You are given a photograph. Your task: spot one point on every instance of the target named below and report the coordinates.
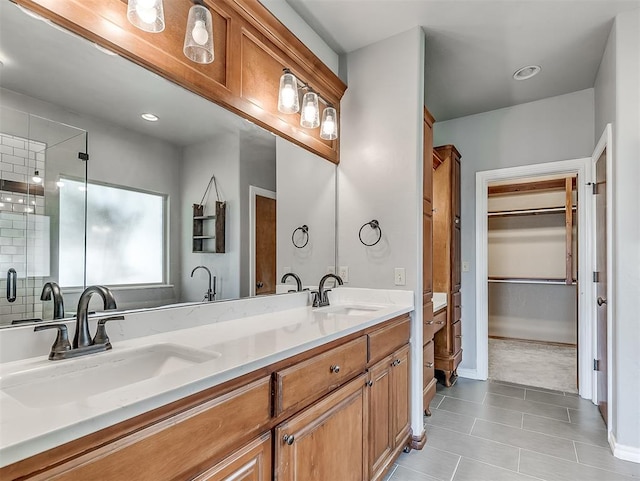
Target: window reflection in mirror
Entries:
(173, 157)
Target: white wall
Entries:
(219, 156)
(380, 174)
(617, 93)
(305, 196)
(557, 128)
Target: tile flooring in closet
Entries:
(497, 431)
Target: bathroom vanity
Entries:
(285, 392)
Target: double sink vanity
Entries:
(261, 388)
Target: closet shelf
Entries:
(522, 212)
(530, 280)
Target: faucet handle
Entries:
(61, 343)
(316, 298)
(101, 331)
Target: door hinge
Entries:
(596, 365)
(83, 156)
(596, 276)
(594, 188)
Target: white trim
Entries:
(582, 167)
(605, 144)
(622, 451)
(253, 192)
(469, 374)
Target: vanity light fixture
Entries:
(150, 117)
(198, 39)
(36, 177)
(527, 72)
(288, 103)
(147, 15)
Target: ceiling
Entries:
(61, 68)
(474, 46)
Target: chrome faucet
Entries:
(297, 279)
(82, 342)
(320, 298)
(53, 289)
(210, 295)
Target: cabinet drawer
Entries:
(383, 342)
(457, 337)
(307, 381)
(166, 450)
(428, 364)
(439, 320)
(457, 310)
(428, 327)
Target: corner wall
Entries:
(557, 128)
(380, 175)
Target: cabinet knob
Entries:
(601, 301)
(459, 336)
(457, 221)
(429, 365)
(335, 369)
(369, 383)
(288, 439)
(396, 362)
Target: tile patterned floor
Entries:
(498, 431)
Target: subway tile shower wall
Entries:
(24, 229)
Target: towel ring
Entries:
(374, 224)
(305, 232)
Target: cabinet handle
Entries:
(459, 336)
(440, 322)
(601, 301)
(288, 439)
(429, 323)
(396, 362)
(335, 369)
(429, 365)
(369, 383)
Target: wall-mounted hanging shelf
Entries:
(208, 230)
(523, 212)
(528, 280)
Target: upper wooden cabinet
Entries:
(251, 49)
(447, 266)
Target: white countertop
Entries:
(439, 301)
(244, 344)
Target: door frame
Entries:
(604, 144)
(586, 321)
(253, 192)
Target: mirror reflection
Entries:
(142, 203)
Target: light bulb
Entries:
(36, 177)
(329, 127)
(8, 199)
(146, 14)
(199, 33)
(288, 94)
(310, 117)
(20, 201)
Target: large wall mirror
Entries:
(125, 217)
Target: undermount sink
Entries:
(61, 382)
(352, 310)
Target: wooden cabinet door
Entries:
(400, 391)
(380, 437)
(326, 441)
(456, 187)
(427, 251)
(251, 463)
(455, 260)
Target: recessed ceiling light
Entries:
(527, 72)
(150, 117)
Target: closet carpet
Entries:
(533, 364)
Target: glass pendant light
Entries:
(147, 15)
(288, 102)
(198, 39)
(329, 127)
(310, 117)
(36, 177)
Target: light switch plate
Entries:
(465, 266)
(399, 276)
(343, 272)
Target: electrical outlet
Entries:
(331, 269)
(399, 276)
(465, 266)
(285, 270)
(343, 272)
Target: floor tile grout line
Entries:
(528, 400)
(390, 475)
(441, 400)
(522, 421)
(564, 438)
(519, 454)
(575, 450)
(506, 469)
(582, 425)
(473, 425)
(481, 419)
(455, 470)
(569, 415)
(529, 388)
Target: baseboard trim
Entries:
(469, 374)
(621, 451)
(418, 442)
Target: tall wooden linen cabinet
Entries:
(446, 258)
(428, 381)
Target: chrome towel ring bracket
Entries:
(375, 225)
(304, 229)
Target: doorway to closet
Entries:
(532, 243)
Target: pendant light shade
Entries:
(310, 116)
(288, 102)
(329, 127)
(147, 15)
(198, 39)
